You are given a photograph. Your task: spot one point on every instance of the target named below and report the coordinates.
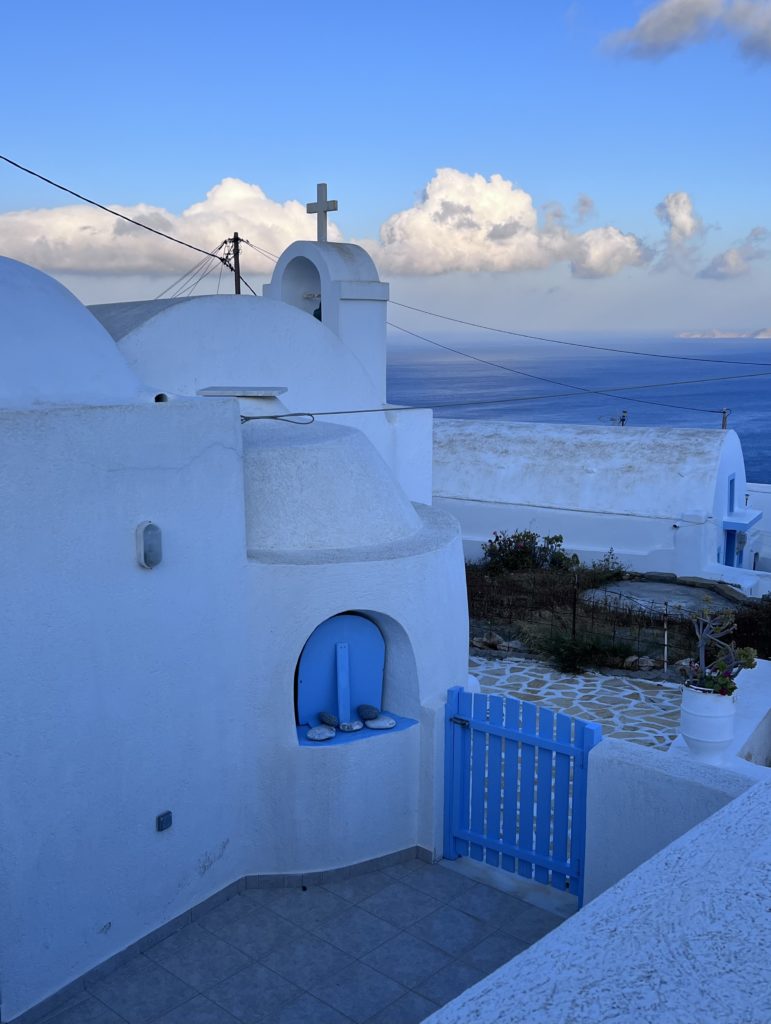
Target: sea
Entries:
(642, 390)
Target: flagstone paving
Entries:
(386, 947)
(637, 710)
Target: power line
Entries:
(578, 344)
(106, 209)
(607, 393)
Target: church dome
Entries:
(318, 487)
(181, 346)
(52, 350)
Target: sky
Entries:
(596, 166)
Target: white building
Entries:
(188, 687)
(665, 499)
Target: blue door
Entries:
(341, 667)
(730, 547)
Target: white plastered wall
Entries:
(122, 687)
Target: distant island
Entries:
(765, 332)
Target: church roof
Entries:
(52, 350)
(627, 470)
(180, 346)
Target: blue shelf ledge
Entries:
(341, 738)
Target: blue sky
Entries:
(158, 103)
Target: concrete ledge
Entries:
(69, 995)
(684, 938)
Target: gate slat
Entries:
(510, 780)
(561, 800)
(464, 711)
(478, 773)
(494, 780)
(544, 792)
(526, 787)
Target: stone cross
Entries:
(321, 207)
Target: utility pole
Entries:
(237, 261)
(724, 425)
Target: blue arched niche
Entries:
(341, 667)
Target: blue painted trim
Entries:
(341, 738)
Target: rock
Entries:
(645, 664)
(367, 712)
(353, 726)
(329, 719)
(632, 662)
(381, 722)
(320, 733)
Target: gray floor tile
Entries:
(140, 991)
(403, 868)
(307, 960)
(237, 907)
(448, 983)
(87, 1010)
(359, 992)
(198, 1011)
(254, 994)
(493, 951)
(490, 905)
(410, 1009)
(439, 882)
(259, 933)
(400, 904)
(308, 907)
(308, 1010)
(406, 959)
(197, 957)
(359, 887)
(355, 931)
(451, 930)
(532, 924)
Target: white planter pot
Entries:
(707, 723)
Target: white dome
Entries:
(52, 350)
(183, 345)
(317, 487)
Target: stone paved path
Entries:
(629, 709)
(385, 947)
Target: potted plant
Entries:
(709, 702)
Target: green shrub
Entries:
(524, 549)
(583, 651)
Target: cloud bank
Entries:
(735, 262)
(463, 222)
(83, 239)
(672, 25)
(466, 222)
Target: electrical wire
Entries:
(107, 209)
(579, 344)
(575, 387)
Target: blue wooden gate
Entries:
(515, 787)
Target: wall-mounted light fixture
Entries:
(149, 547)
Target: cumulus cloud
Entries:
(466, 222)
(584, 208)
(84, 239)
(677, 212)
(674, 24)
(734, 262)
(668, 26)
(462, 222)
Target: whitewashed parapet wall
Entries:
(127, 691)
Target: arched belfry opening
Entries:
(301, 286)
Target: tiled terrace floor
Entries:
(637, 710)
(387, 947)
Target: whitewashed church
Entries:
(196, 576)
